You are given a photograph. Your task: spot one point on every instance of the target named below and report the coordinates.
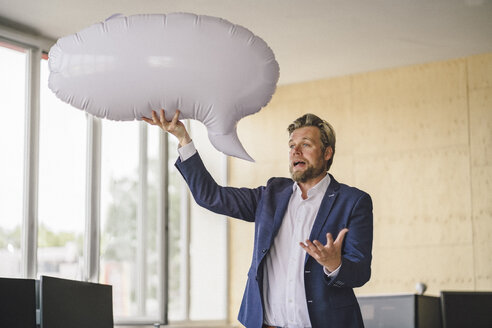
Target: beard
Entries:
(310, 173)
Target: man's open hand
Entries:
(329, 255)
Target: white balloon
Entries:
(208, 68)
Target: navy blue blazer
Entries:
(331, 302)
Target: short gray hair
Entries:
(328, 138)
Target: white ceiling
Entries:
(312, 39)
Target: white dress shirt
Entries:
(283, 281)
(284, 296)
(186, 151)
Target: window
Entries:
(208, 300)
(12, 86)
(61, 213)
(197, 289)
(64, 172)
(119, 206)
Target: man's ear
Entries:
(328, 153)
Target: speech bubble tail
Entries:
(229, 144)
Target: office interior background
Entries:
(407, 86)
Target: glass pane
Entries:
(119, 199)
(208, 242)
(176, 305)
(12, 86)
(152, 238)
(62, 151)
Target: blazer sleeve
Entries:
(239, 203)
(355, 270)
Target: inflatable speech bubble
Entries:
(210, 69)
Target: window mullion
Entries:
(225, 182)
(93, 200)
(31, 165)
(185, 238)
(142, 220)
(163, 225)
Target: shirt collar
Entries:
(320, 187)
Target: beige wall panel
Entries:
(483, 269)
(398, 269)
(482, 224)
(313, 89)
(481, 126)
(480, 102)
(480, 71)
(419, 198)
(410, 108)
(482, 204)
(343, 169)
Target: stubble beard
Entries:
(310, 173)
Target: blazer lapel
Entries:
(324, 209)
(270, 227)
(283, 202)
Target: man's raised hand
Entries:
(175, 126)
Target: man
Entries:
(292, 283)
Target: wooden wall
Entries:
(419, 140)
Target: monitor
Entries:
(400, 311)
(75, 304)
(466, 309)
(17, 303)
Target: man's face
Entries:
(307, 161)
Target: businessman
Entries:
(313, 235)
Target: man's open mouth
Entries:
(296, 163)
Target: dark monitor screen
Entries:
(75, 304)
(400, 311)
(466, 309)
(17, 303)
(388, 311)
